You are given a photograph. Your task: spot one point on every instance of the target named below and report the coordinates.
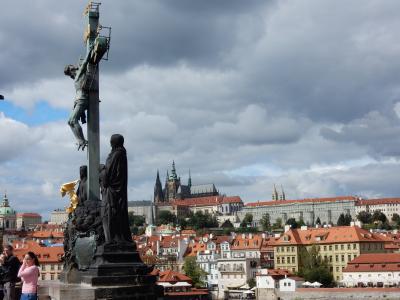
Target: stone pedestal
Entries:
(62, 291)
(115, 273)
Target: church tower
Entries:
(173, 184)
(190, 180)
(158, 193)
(275, 195)
(282, 195)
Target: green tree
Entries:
(135, 222)
(365, 217)
(292, 222)
(313, 267)
(348, 219)
(247, 220)
(379, 216)
(396, 218)
(318, 221)
(265, 222)
(165, 217)
(193, 270)
(227, 224)
(251, 282)
(341, 220)
(277, 224)
(200, 220)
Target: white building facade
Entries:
(327, 210)
(388, 206)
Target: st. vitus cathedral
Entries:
(174, 189)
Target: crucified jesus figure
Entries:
(83, 79)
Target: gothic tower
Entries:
(158, 193)
(275, 196)
(172, 185)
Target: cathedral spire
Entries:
(173, 171)
(158, 194)
(282, 196)
(190, 180)
(275, 195)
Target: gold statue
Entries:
(69, 188)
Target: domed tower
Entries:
(7, 215)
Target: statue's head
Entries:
(116, 141)
(83, 172)
(70, 70)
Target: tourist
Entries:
(29, 274)
(10, 267)
(2, 258)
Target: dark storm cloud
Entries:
(380, 133)
(42, 37)
(325, 61)
(244, 93)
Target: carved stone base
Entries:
(61, 291)
(115, 273)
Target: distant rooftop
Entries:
(139, 203)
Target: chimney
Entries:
(158, 248)
(287, 228)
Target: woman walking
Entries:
(29, 274)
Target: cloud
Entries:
(15, 137)
(303, 94)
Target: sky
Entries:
(245, 94)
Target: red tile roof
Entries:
(207, 201)
(45, 254)
(29, 215)
(378, 201)
(312, 200)
(248, 242)
(330, 235)
(171, 276)
(47, 234)
(376, 258)
(379, 267)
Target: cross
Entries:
(93, 127)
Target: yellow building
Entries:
(336, 245)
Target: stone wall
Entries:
(344, 294)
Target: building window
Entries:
(348, 246)
(341, 247)
(51, 276)
(342, 257)
(293, 259)
(349, 257)
(337, 258)
(336, 247)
